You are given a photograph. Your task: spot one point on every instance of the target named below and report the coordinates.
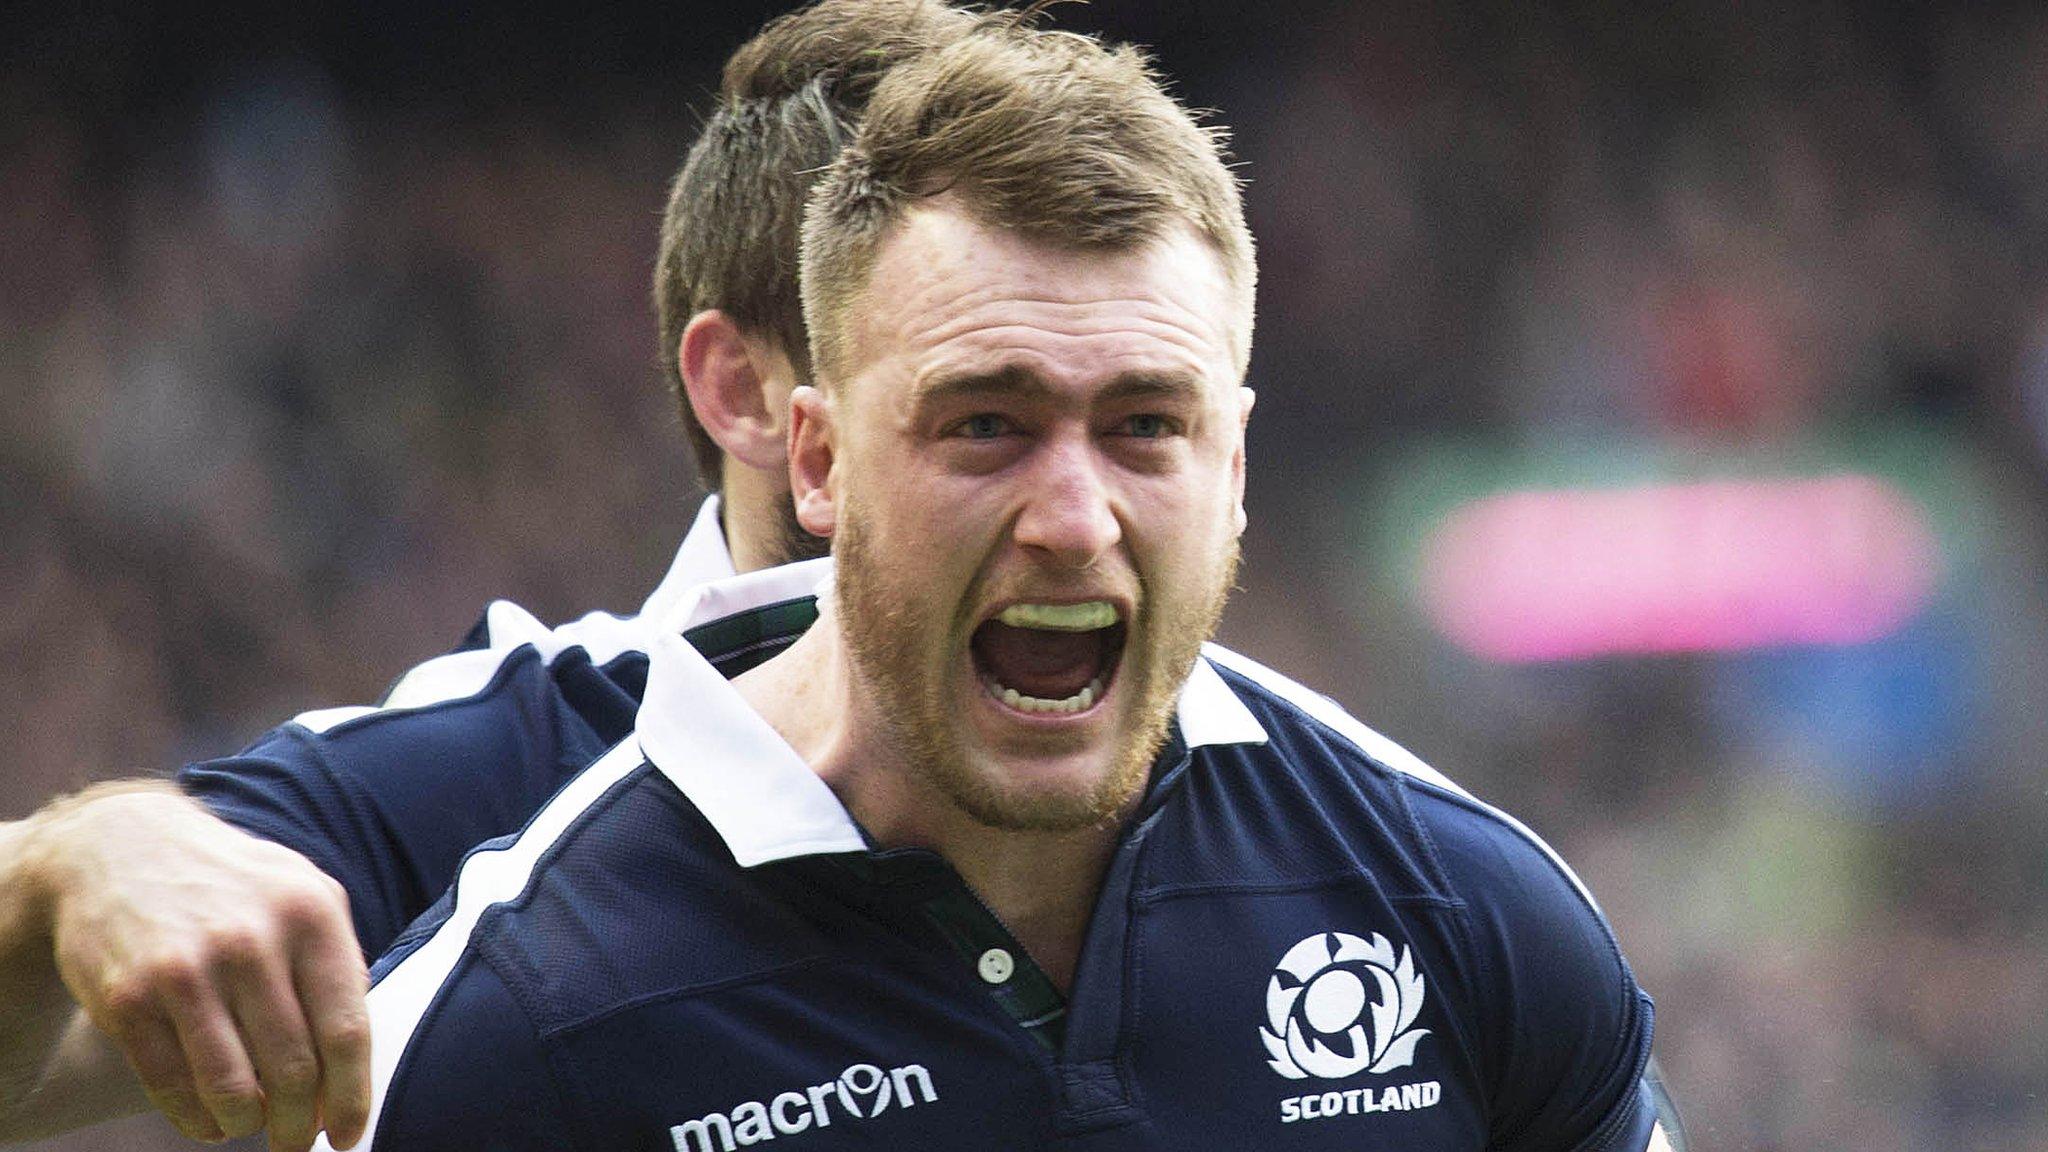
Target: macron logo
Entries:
(862, 1092)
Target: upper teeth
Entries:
(1061, 617)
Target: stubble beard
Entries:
(890, 643)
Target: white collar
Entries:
(703, 557)
(697, 730)
(1210, 712)
(753, 788)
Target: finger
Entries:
(280, 1046)
(221, 1071)
(332, 983)
(153, 1051)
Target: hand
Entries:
(225, 966)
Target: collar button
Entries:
(996, 966)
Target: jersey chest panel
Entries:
(821, 1056)
(1229, 992)
(1307, 1018)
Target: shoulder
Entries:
(1468, 847)
(508, 689)
(1560, 1026)
(386, 798)
(616, 895)
(508, 653)
(507, 715)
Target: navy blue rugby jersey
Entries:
(1306, 939)
(464, 747)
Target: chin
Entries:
(1034, 796)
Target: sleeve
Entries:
(389, 802)
(474, 1074)
(1565, 1030)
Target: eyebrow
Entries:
(1015, 381)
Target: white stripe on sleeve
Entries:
(400, 1001)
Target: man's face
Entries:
(1035, 487)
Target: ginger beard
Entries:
(908, 658)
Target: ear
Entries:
(1245, 399)
(727, 375)
(812, 454)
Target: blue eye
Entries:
(1146, 426)
(985, 426)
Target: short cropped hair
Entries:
(788, 102)
(1048, 134)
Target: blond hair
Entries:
(1050, 134)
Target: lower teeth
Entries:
(1078, 702)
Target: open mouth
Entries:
(1053, 659)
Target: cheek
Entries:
(933, 530)
(1194, 503)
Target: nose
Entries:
(1068, 516)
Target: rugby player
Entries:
(998, 853)
(220, 934)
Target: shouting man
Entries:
(998, 854)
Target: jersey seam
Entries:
(1610, 1130)
(1433, 874)
(1167, 893)
(476, 948)
(578, 1123)
(1461, 923)
(479, 940)
(1121, 1057)
(400, 1072)
(593, 1019)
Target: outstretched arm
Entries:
(224, 967)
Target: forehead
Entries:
(949, 293)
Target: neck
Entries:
(1042, 885)
(750, 528)
(761, 530)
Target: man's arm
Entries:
(224, 967)
(1562, 1032)
(218, 960)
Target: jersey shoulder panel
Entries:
(476, 1075)
(419, 1001)
(643, 881)
(616, 897)
(1557, 1021)
(1315, 797)
(388, 799)
(1316, 741)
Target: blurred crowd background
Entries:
(1653, 435)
